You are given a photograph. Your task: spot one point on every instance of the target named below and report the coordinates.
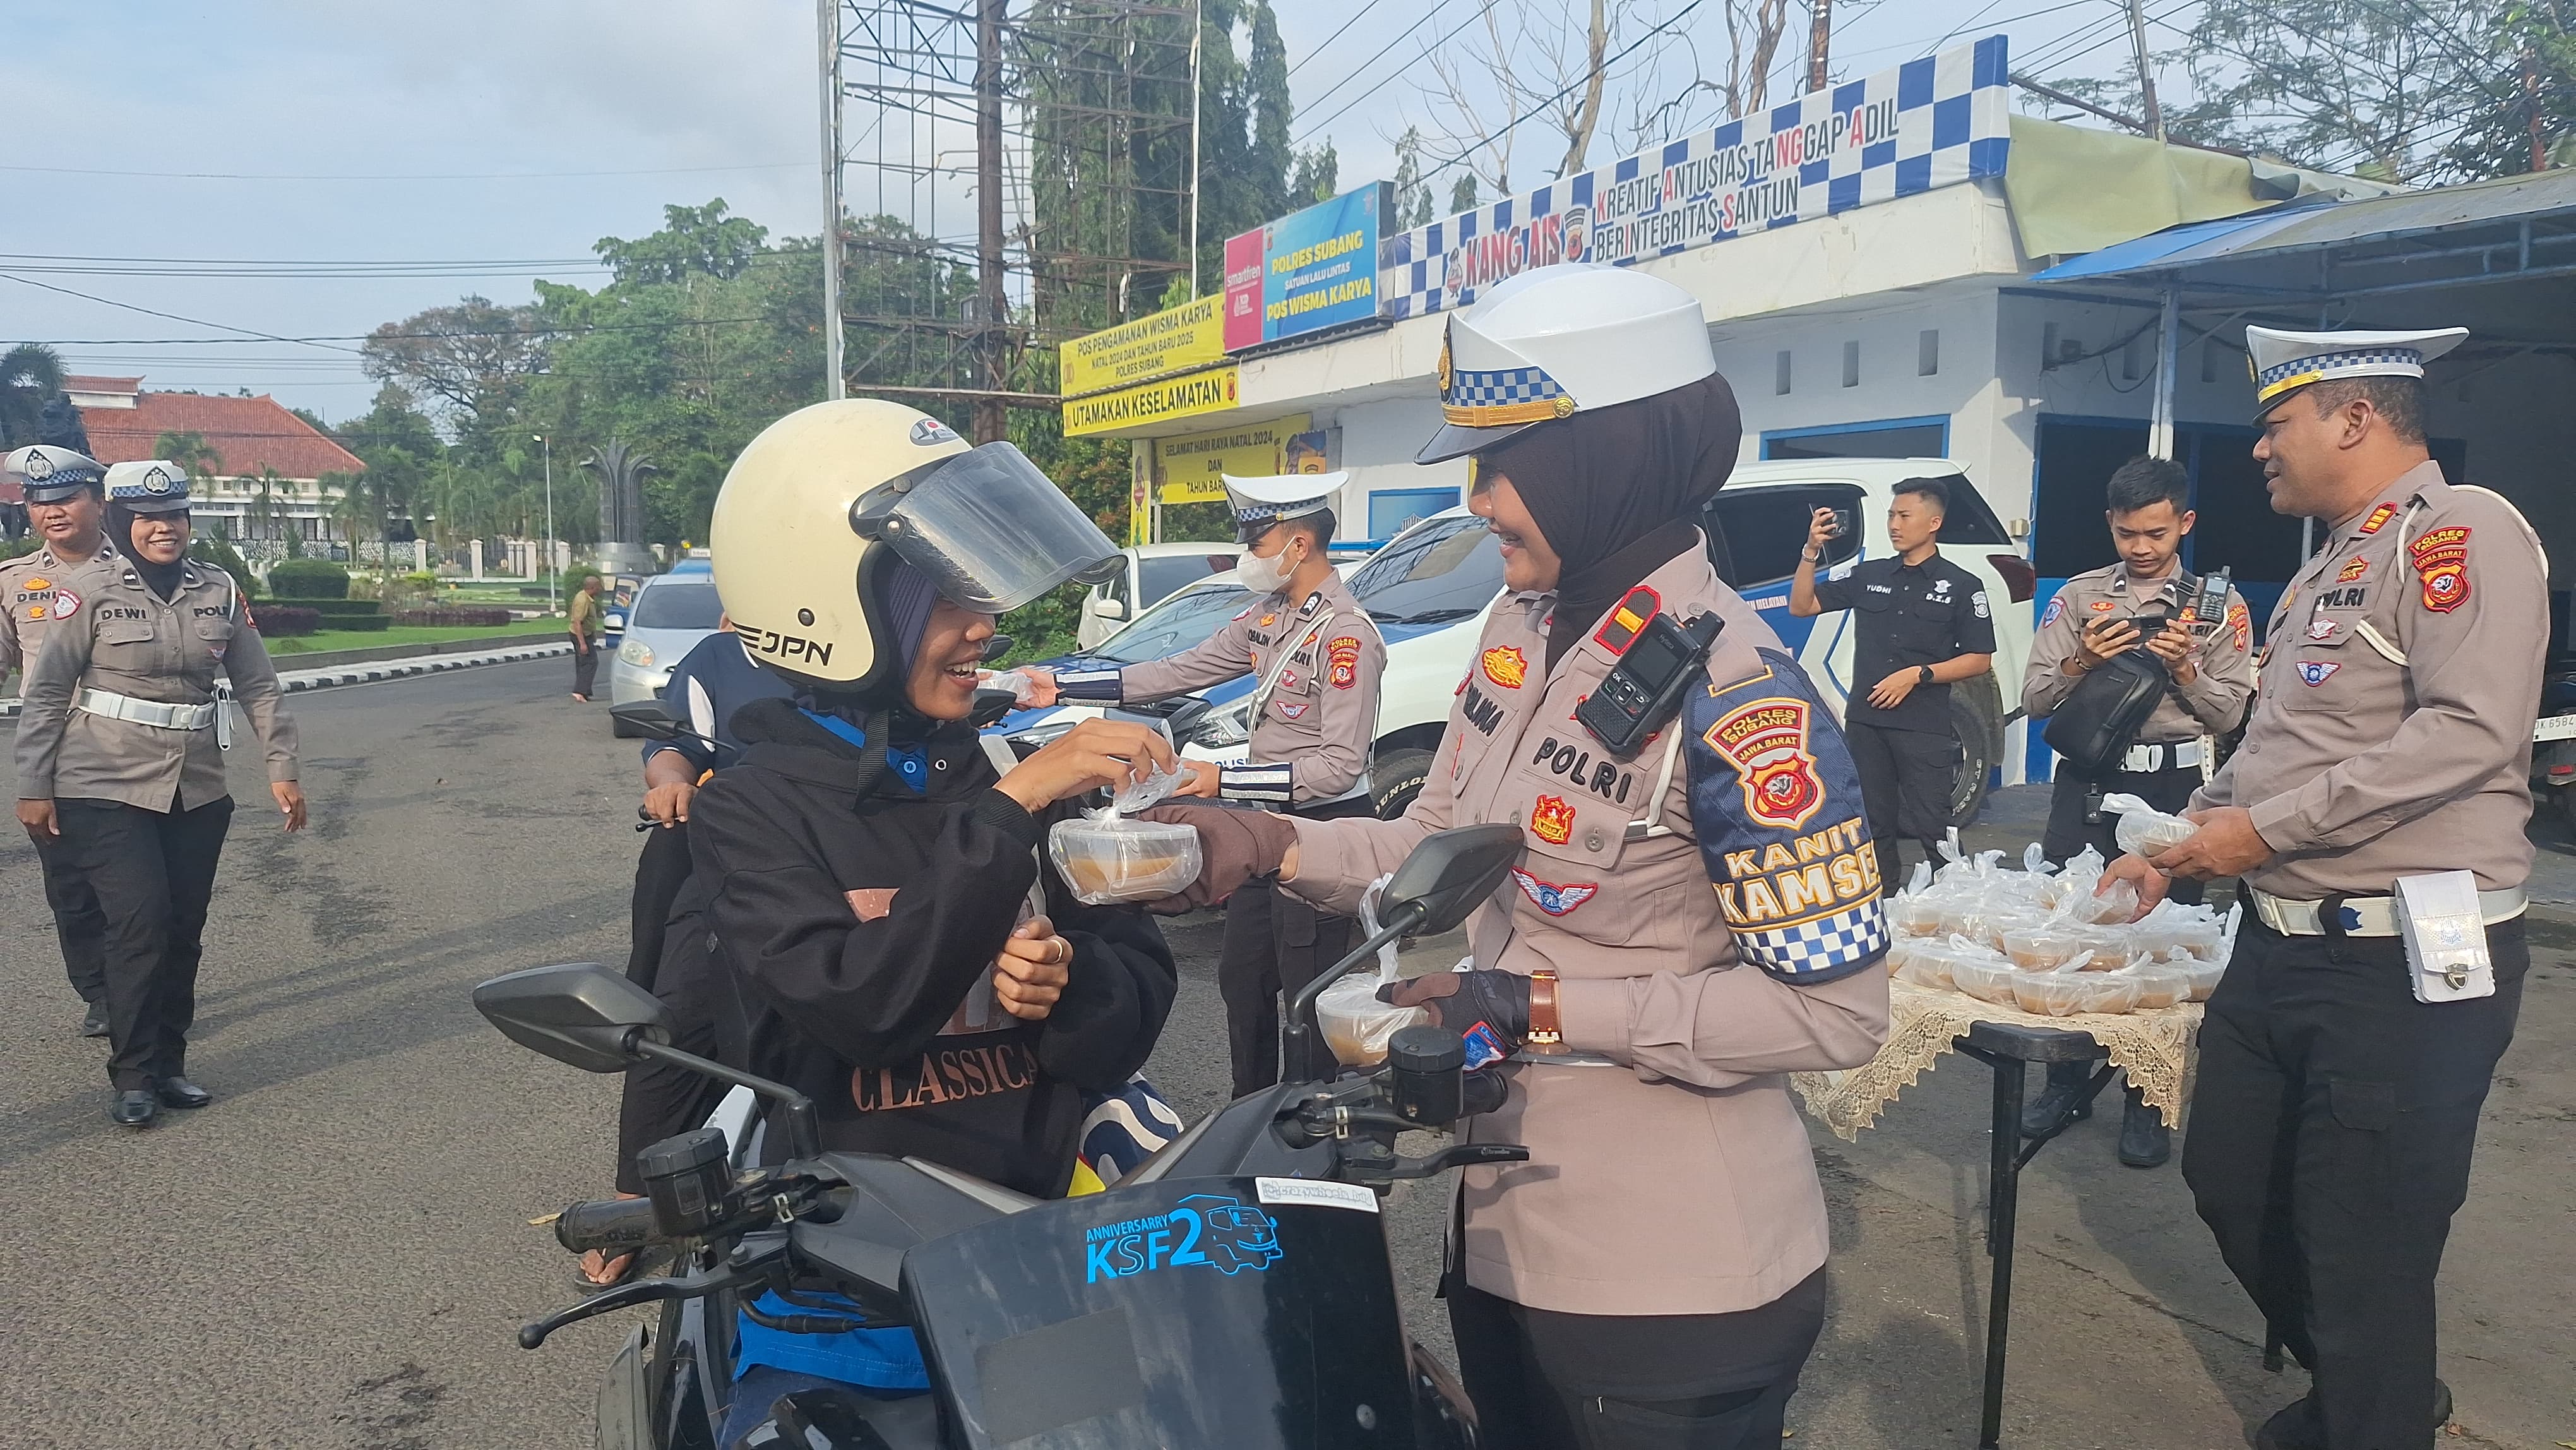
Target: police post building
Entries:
(1900, 267)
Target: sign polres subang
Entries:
(1307, 271)
(1929, 123)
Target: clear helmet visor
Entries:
(990, 529)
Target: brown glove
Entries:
(1235, 845)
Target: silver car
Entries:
(671, 613)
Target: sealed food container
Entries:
(1986, 981)
(2051, 994)
(1114, 859)
(1914, 915)
(2159, 985)
(1356, 1024)
(2143, 830)
(2112, 907)
(2108, 992)
(2046, 949)
(2203, 977)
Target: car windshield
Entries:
(1444, 569)
(1181, 622)
(676, 606)
(1156, 578)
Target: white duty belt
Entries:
(154, 713)
(2377, 914)
(2169, 755)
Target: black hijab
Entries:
(1617, 493)
(161, 579)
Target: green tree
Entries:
(694, 240)
(270, 496)
(30, 376)
(190, 450)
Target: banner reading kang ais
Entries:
(1928, 123)
(1315, 269)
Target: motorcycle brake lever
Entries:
(1459, 1155)
(638, 1291)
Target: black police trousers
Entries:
(2330, 1139)
(1274, 945)
(2069, 833)
(79, 926)
(657, 1099)
(154, 873)
(1905, 779)
(1542, 1380)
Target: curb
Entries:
(364, 674)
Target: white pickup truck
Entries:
(1430, 586)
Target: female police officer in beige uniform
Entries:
(1685, 928)
(121, 755)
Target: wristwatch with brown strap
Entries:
(1546, 1036)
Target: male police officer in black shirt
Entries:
(1923, 623)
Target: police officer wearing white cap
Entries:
(1316, 657)
(2375, 814)
(63, 498)
(1694, 917)
(121, 760)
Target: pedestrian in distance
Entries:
(1316, 658)
(1923, 625)
(65, 504)
(583, 623)
(121, 757)
(2375, 814)
(2140, 603)
(1654, 1275)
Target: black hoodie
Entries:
(860, 927)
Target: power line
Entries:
(1355, 19)
(171, 316)
(403, 176)
(1432, 168)
(1357, 71)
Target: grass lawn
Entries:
(337, 639)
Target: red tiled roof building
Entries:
(250, 435)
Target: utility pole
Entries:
(827, 18)
(2531, 111)
(554, 576)
(1198, 24)
(2146, 73)
(1820, 34)
(991, 413)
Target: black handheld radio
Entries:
(1642, 693)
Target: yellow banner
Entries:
(1191, 468)
(1208, 392)
(1174, 340)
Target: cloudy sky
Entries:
(263, 166)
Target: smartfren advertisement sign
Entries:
(1928, 123)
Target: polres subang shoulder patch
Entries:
(1776, 802)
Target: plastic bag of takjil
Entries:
(1105, 857)
(1355, 1024)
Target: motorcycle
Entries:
(1235, 1290)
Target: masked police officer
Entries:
(2375, 813)
(1315, 656)
(2140, 603)
(63, 505)
(121, 760)
(1696, 914)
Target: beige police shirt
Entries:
(2400, 679)
(1676, 1180)
(117, 635)
(2223, 680)
(27, 585)
(1311, 738)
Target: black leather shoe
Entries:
(132, 1108)
(2042, 1113)
(2145, 1141)
(178, 1092)
(95, 1023)
(2297, 1426)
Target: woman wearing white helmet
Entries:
(1653, 1276)
(865, 876)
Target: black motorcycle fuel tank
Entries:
(1248, 1313)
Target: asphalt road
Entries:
(336, 1254)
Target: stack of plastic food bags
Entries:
(2043, 942)
(1105, 858)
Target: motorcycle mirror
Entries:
(991, 706)
(1450, 874)
(575, 1012)
(649, 719)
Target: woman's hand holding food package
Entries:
(1030, 974)
(1093, 753)
(1235, 845)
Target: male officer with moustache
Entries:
(63, 506)
(2137, 603)
(1315, 657)
(2375, 814)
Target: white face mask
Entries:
(1264, 576)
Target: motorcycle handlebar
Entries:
(606, 1224)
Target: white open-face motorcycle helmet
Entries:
(818, 508)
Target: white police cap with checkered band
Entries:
(1281, 496)
(152, 486)
(1557, 341)
(2284, 362)
(50, 473)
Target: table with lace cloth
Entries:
(2153, 1046)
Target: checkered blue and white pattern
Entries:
(1928, 123)
(1269, 785)
(2375, 359)
(1822, 949)
(1502, 386)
